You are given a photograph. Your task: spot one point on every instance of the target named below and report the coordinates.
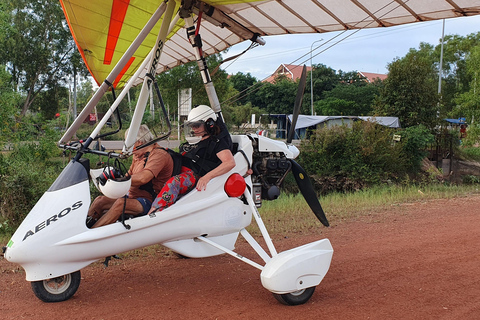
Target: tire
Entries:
(57, 289)
(295, 298)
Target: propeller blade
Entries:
(298, 103)
(307, 191)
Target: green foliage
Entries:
(414, 143)
(456, 79)
(188, 76)
(48, 101)
(473, 136)
(410, 91)
(25, 174)
(322, 79)
(333, 106)
(357, 96)
(239, 115)
(347, 158)
(246, 85)
(8, 103)
(36, 46)
(469, 101)
(278, 97)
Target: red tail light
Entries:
(235, 185)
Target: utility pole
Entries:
(311, 74)
(441, 61)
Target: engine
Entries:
(269, 171)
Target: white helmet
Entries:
(111, 182)
(201, 114)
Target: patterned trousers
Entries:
(174, 188)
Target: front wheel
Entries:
(295, 298)
(57, 289)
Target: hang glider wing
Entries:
(104, 29)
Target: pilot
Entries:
(206, 154)
(151, 167)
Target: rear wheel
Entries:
(57, 289)
(295, 298)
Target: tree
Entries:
(240, 114)
(324, 79)
(48, 100)
(36, 46)
(333, 106)
(455, 77)
(358, 95)
(247, 87)
(278, 97)
(410, 91)
(188, 76)
(8, 103)
(469, 102)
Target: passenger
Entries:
(206, 155)
(151, 167)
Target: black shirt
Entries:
(202, 157)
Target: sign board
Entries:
(184, 101)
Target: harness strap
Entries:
(204, 163)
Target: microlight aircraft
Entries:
(126, 43)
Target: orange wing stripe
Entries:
(119, 77)
(119, 11)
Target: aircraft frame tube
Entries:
(207, 81)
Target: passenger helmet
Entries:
(111, 182)
(201, 114)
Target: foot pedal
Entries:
(107, 260)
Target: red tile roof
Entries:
(370, 77)
(294, 72)
(291, 71)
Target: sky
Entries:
(367, 50)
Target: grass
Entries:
(471, 153)
(291, 214)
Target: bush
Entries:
(473, 136)
(25, 174)
(414, 143)
(345, 158)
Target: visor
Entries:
(189, 129)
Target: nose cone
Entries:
(294, 150)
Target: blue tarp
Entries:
(456, 121)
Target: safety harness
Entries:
(177, 168)
(204, 163)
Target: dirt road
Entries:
(413, 261)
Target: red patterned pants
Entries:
(174, 188)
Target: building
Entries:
(371, 77)
(294, 72)
(290, 71)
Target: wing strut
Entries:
(196, 42)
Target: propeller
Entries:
(299, 173)
(298, 104)
(307, 191)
